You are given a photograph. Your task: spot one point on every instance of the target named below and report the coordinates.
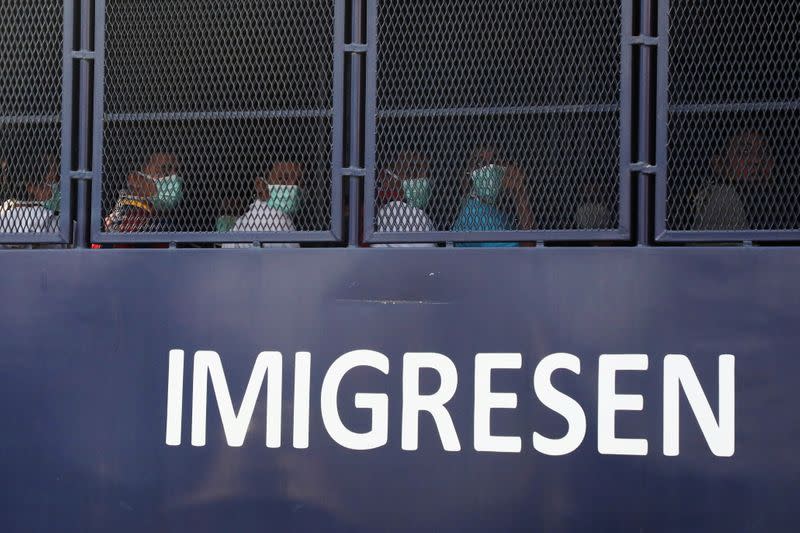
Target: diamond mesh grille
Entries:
(734, 115)
(532, 88)
(31, 56)
(205, 103)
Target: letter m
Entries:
(207, 364)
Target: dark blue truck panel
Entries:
(85, 338)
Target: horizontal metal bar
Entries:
(646, 40)
(31, 238)
(81, 174)
(231, 237)
(480, 111)
(30, 119)
(728, 236)
(218, 115)
(734, 106)
(84, 54)
(356, 48)
(644, 168)
(373, 237)
(354, 171)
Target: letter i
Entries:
(175, 398)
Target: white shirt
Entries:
(26, 218)
(263, 218)
(400, 217)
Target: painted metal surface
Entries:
(85, 337)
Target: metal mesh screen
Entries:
(497, 116)
(31, 56)
(734, 115)
(214, 112)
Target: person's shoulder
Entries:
(397, 211)
(259, 215)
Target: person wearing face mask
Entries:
(403, 195)
(746, 163)
(153, 194)
(40, 213)
(278, 197)
(492, 189)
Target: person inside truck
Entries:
(495, 198)
(278, 200)
(39, 213)
(404, 191)
(746, 163)
(151, 198)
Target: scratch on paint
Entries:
(390, 302)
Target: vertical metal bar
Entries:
(65, 220)
(662, 118)
(370, 107)
(99, 102)
(356, 125)
(626, 117)
(82, 206)
(645, 220)
(355, 204)
(338, 120)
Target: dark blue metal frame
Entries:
(333, 235)
(622, 233)
(663, 234)
(64, 234)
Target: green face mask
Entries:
(285, 198)
(487, 182)
(225, 223)
(169, 192)
(417, 192)
(54, 202)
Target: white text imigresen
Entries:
(678, 375)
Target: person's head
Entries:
(281, 187)
(406, 179)
(4, 172)
(486, 176)
(746, 158)
(158, 181)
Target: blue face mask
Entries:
(169, 192)
(54, 202)
(487, 183)
(417, 192)
(284, 198)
